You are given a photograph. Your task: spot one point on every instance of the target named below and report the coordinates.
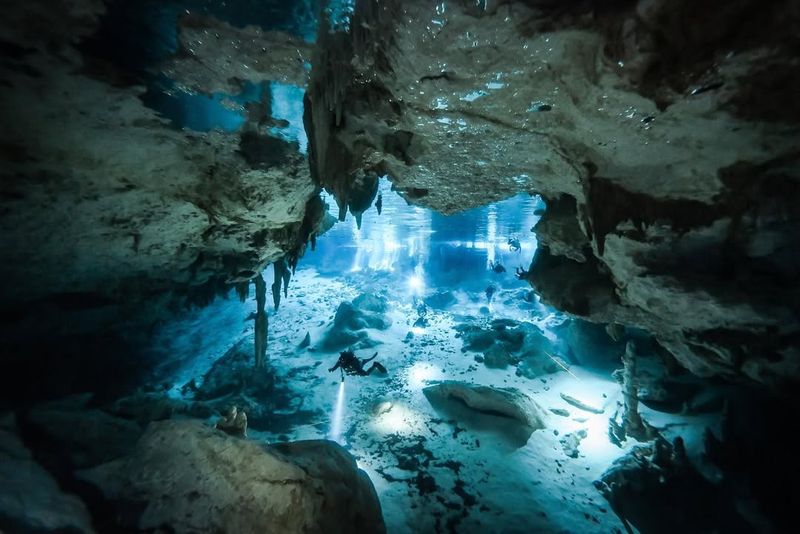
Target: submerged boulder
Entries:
(30, 499)
(352, 319)
(497, 357)
(235, 372)
(654, 488)
(508, 411)
(186, 477)
(87, 436)
(440, 300)
(507, 342)
(570, 442)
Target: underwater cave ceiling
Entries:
(671, 179)
(215, 56)
(664, 141)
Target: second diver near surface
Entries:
(350, 364)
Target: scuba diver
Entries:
(490, 291)
(422, 313)
(350, 364)
(497, 267)
(514, 244)
(379, 203)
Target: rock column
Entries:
(632, 421)
(262, 323)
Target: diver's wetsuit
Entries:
(352, 365)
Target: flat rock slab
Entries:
(580, 404)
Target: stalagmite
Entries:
(262, 323)
(632, 421)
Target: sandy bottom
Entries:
(448, 469)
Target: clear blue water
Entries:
(432, 250)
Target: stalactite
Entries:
(287, 276)
(282, 276)
(262, 323)
(277, 269)
(243, 290)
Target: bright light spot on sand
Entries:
(421, 373)
(596, 441)
(399, 419)
(596, 446)
(337, 420)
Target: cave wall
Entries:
(663, 136)
(116, 210)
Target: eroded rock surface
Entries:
(87, 436)
(30, 498)
(353, 319)
(506, 402)
(665, 149)
(113, 213)
(217, 57)
(188, 477)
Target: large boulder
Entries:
(352, 319)
(655, 489)
(30, 499)
(184, 476)
(86, 436)
(505, 411)
(507, 342)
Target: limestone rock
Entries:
(508, 342)
(655, 489)
(187, 477)
(507, 402)
(208, 45)
(497, 357)
(570, 442)
(589, 344)
(88, 436)
(30, 499)
(141, 217)
(147, 407)
(581, 405)
(441, 300)
(353, 318)
(668, 164)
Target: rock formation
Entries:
(262, 322)
(665, 147)
(116, 210)
(30, 499)
(506, 402)
(197, 478)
